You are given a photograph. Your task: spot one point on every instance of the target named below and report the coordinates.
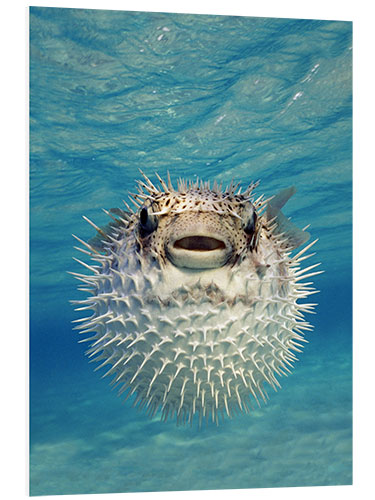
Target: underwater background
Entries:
(218, 97)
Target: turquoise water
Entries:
(222, 98)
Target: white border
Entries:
(14, 205)
(319, 9)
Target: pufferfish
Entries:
(195, 298)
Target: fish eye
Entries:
(148, 222)
(143, 216)
(249, 220)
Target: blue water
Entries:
(222, 98)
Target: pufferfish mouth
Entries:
(199, 243)
(199, 251)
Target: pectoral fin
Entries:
(294, 236)
(98, 241)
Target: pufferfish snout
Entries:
(203, 240)
(196, 242)
(195, 298)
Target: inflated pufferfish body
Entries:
(195, 298)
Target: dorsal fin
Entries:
(294, 236)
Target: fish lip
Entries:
(198, 250)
